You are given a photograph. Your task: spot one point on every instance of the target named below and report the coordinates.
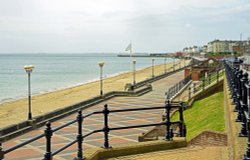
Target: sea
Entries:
(58, 71)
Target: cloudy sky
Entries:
(34, 26)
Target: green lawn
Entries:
(205, 114)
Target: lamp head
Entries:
(28, 68)
(101, 64)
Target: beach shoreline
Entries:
(95, 80)
(15, 111)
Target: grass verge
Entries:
(205, 114)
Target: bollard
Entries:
(79, 136)
(244, 80)
(168, 123)
(48, 134)
(106, 127)
(1, 152)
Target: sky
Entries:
(81, 26)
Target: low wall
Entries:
(209, 90)
(134, 148)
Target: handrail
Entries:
(178, 86)
(212, 77)
(48, 132)
(135, 126)
(239, 87)
(23, 144)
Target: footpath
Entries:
(36, 150)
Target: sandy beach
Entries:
(17, 111)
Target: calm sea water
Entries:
(56, 71)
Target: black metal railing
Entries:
(212, 77)
(178, 86)
(48, 132)
(239, 86)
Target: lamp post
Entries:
(29, 69)
(101, 64)
(153, 63)
(134, 63)
(165, 69)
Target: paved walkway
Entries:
(36, 150)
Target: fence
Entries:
(178, 86)
(212, 77)
(48, 132)
(239, 86)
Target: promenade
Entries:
(36, 150)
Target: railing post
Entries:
(181, 120)
(189, 93)
(48, 134)
(234, 88)
(79, 136)
(203, 83)
(232, 84)
(1, 152)
(239, 96)
(184, 130)
(243, 132)
(171, 133)
(194, 89)
(217, 75)
(168, 123)
(106, 127)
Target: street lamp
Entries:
(165, 69)
(29, 69)
(101, 64)
(153, 74)
(134, 63)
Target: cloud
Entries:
(97, 25)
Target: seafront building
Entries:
(224, 46)
(230, 47)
